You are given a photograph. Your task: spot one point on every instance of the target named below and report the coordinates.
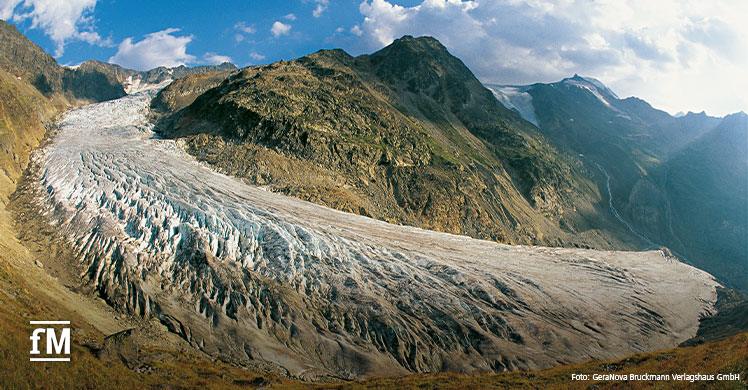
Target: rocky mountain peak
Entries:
(419, 42)
(737, 123)
(427, 48)
(425, 56)
(425, 68)
(327, 55)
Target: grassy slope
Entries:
(725, 356)
(23, 111)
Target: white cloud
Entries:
(320, 8)
(216, 59)
(679, 55)
(162, 48)
(290, 17)
(280, 28)
(61, 21)
(245, 28)
(255, 56)
(6, 9)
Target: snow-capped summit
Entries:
(596, 87)
(520, 97)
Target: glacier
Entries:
(247, 275)
(516, 98)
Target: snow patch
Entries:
(590, 87)
(133, 85)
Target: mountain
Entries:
(676, 181)
(133, 80)
(706, 187)
(581, 115)
(91, 81)
(34, 88)
(25, 108)
(406, 135)
(23, 59)
(626, 136)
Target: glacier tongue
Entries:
(246, 274)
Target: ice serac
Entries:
(246, 274)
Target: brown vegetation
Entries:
(726, 356)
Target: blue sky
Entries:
(680, 55)
(215, 26)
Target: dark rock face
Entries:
(406, 135)
(91, 84)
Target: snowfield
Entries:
(250, 275)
